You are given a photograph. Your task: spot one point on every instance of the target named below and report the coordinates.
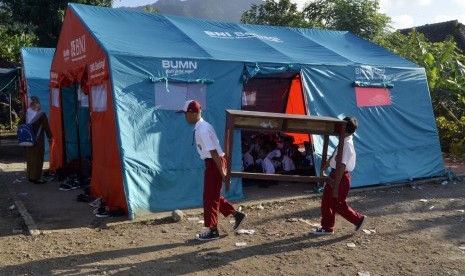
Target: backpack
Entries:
(26, 135)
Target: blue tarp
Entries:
(36, 64)
(7, 79)
(161, 169)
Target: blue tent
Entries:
(9, 76)
(138, 68)
(36, 64)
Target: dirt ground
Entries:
(412, 229)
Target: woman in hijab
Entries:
(35, 154)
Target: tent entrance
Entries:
(76, 126)
(278, 93)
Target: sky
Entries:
(403, 13)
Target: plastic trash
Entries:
(241, 244)
(245, 231)
(351, 245)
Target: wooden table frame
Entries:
(278, 122)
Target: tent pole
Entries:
(76, 108)
(64, 163)
(11, 121)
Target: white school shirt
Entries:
(206, 139)
(288, 164)
(274, 153)
(267, 166)
(247, 159)
(348, 155)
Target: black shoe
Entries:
(360, 224)
(76, 184)
(239, 217)
(65, 187)
(210, 234)
(321, 231)
(102, 212)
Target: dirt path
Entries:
(411, 230)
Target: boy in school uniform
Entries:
(331, 205)
(265, 162)
(210, 151)
(248, 162)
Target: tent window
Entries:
(172, 96)
(249, 98)
(99, 97)
(368, 96)
(83, 98)
(56, 97)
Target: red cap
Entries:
(191, 106)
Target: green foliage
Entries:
(361, 17)
(451, 135)
(443, 63)
(12, 41)
(282, 13)
(44, 18)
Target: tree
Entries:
(445, 70)
(360, 17)
(44, 18)
(282, 13)
(13, 41)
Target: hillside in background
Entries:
(222, 10)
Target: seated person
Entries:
(265, 162)
(275, 155)
(276, 138)
(292, 150)
(257, 142)
(288, 165)
(247, 159)
(306, 166)
(296, 155)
